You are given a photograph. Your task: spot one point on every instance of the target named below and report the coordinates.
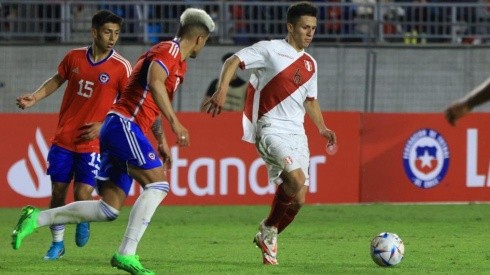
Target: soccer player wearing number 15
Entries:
(95, 75)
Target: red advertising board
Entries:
(381, 158)
(218, 167)
(421, 158)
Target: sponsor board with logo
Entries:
(381, 158)
(421, 158)
(218, 167)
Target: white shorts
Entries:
(284, 152)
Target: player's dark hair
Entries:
(299, 9)
(104, 16)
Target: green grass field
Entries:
(439, 239)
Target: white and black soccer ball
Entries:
(387, 249)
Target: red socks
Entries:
(280, 205)
(287, 219)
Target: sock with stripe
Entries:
(280, 204)
(141, 214)
(57, 232)
(76, 212)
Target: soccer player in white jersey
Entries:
(282, 87)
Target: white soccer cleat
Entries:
(266, 240)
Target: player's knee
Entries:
(107, 212)
(58, 195)
(83, 192)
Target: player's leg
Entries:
(123, 140)
(155, 190)
(302, 157)
(286, 193)
(57, 247)
(106, 209)
(60, 169)
(287, 159)
(87, 166)
(293, 209)
(32, 218)
(82, 192)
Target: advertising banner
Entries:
(381, 158)
(218, 167)
(422, 158)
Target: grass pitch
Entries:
(333, 239)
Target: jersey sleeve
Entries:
(162, 58)
(64, 67)
(254, 56)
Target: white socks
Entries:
(57, 232)
(76, 212)
(97, 211)
(140, 216)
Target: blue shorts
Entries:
(65, 165)
(123, 143)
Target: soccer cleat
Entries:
(82, 234)
(266, 240)
(56, 251)
(25, 226)
(129, 263)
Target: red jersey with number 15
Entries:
(91, 90)
(136, 102)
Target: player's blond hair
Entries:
(193, 16)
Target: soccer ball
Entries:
(387, 249)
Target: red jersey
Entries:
(91, 90)
(136, 102)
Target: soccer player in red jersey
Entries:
(126, 152)
(282, 88)
(96, 75)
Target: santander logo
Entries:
(28, 177)
(198, 176)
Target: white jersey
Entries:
(281, 81)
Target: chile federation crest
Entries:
(426, 158)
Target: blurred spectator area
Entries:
(244, 22)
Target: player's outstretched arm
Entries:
(46, 89)
(464, 105)
(215, 104)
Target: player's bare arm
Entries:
(162, 146)
(46, 89)
(462, 106)
(156, 83)
(216, 102)
(314, 111)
